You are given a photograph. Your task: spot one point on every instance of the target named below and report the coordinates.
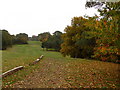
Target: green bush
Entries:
(6, 39)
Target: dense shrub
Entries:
(76, 40)
(107, 32)
(6, 39)
(94, 37)
(53, 42)
(21, 38)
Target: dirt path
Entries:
(50, 75)
(55, 73)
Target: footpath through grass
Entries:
(56, 71)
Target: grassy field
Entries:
(19, 55)
(54, 70)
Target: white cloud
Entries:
(37, 16)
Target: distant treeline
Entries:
(9, 40)
(33, 38)
(51, 42)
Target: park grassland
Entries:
(76, 72)
(23, 55)
(19, 55)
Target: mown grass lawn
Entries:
(54, 70)
(20, 55)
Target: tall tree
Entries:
(44, 36)
(22, 38)
(6, 39)
(75, 39)
(108, 32)
(53, 42)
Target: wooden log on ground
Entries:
(36, 61)
(41, 57)
(12, 71)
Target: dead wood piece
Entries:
(41, 57)
(9, 72)
(37, 60)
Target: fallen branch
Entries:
(36, 61)
(41, 57)
(19, 68)
(9, 72)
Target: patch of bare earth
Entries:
(55, 73)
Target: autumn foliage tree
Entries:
(76, 42)
(94, 37)
(107, 32)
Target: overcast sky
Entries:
(37, 16)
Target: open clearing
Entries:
(56, 71)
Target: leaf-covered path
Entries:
(72, 73)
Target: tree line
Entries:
(51, 42)
(94, 37)
(8, 40)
